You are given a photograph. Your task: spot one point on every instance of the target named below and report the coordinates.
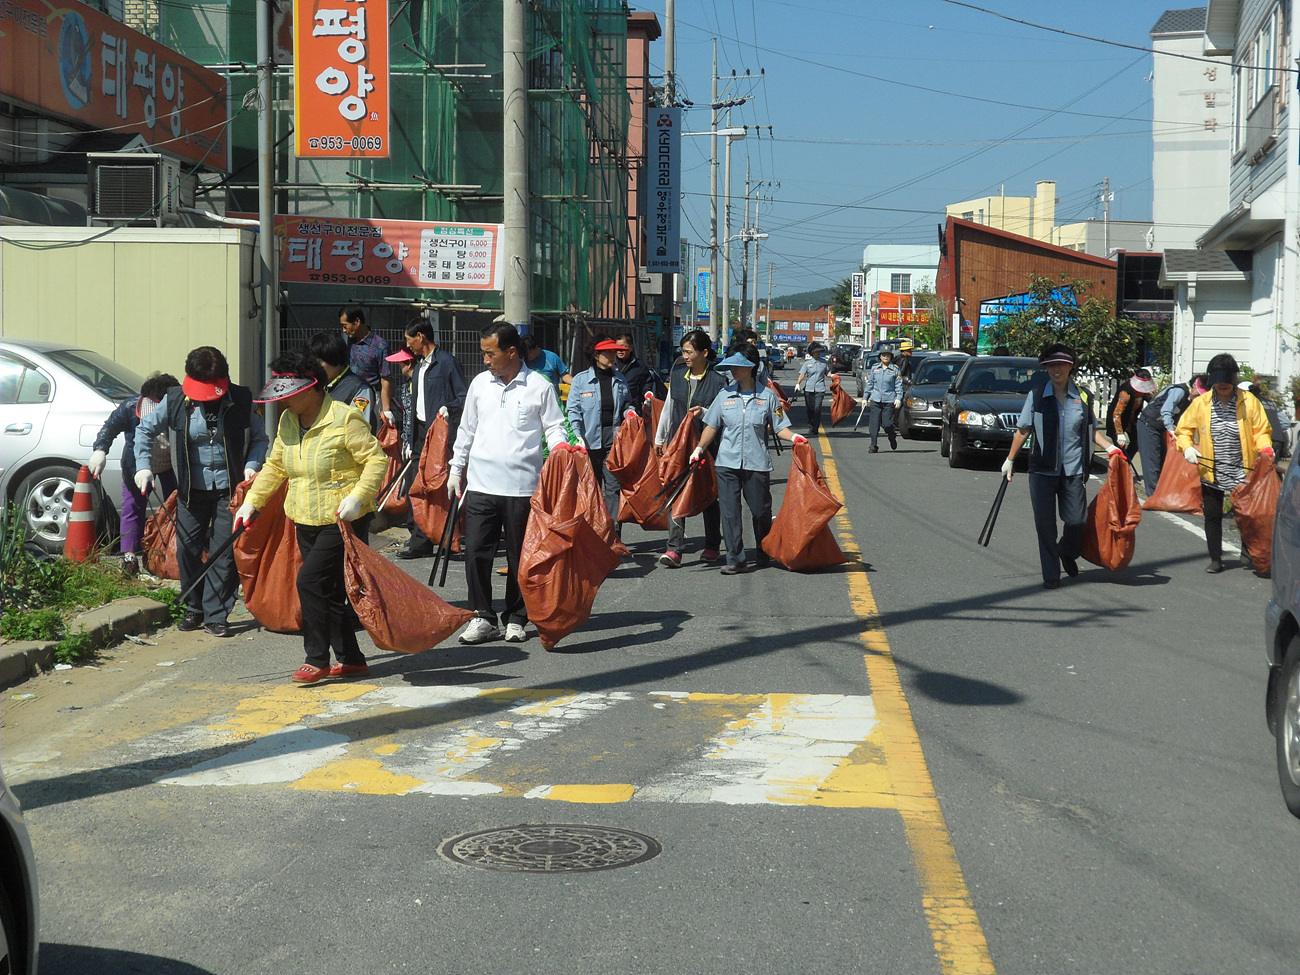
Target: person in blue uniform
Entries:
(884, 395)
(598, 398)
(738, 418)
(814, 382)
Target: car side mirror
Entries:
(952, 387)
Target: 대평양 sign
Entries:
(340, 79)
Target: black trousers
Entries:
(878, 415)
(205, 523)
(813, 404)
(419, 541)
(486, 515)
(609, 485)
(1047, 492)
(325, 626)
(712, 530)
(1212, 505)
(756, 488)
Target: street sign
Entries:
(703, 292)
(664, 164)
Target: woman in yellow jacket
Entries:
(335, 468)
(1224, 433)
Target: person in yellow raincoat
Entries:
(1224, 433)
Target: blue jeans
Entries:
(1047, 492)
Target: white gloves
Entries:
(249, 473)
(1008, 467)
(454, 486)
(143, 478)
(897, 403)
(388, 418)
(442, 411)
(244, 515)
(1112, 450)
(696, 454)
(798, 438)
(406, 451)
(630, 414)
(96, 463)
(1122, 440)
(349, 509)
(1192, 455)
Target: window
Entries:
(21, 385)
(900, 284)
(968, 215)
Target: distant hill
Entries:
(802, 299)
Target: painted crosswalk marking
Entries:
(794, 749)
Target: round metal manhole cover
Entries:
(550, 848)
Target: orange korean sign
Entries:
(340, 78)
(390, 253)
(903, 316)
(71, 61)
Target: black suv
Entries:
(842, 356)
(983, 404)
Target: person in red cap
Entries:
(217, 440)
(598, 398)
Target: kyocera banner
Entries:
(74, 62)
(663, 174)
(340, 78)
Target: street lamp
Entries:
(731, 134)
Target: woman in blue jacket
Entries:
(814, 382)
(884, 394)
(597, 399)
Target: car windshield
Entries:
(1002, 377)
(938, 371)
(99, 372)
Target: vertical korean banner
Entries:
(703, 293)
(340, 79)
(663, 149)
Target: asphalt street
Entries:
(919, 762)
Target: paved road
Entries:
(922, 762)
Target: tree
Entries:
(936, 334)
(1105, 345)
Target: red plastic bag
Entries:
(429, 501)
(268, 560)
(656, 406)
(630, 452)
(1109, 534)
(775, 387)
(634, 465)
(398, 612)
(567, 552)
(160, 541)
(390, 440)
(1179, 485)
(841, 402)
(801, 538)
(701, 488)
(1254, 505)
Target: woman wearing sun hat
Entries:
(1122, 418)
(335, 467)
(739, 416)
(598, 396)
(1064, 429)
(814, 383)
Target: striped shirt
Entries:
(1225, 434)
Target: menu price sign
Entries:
(460, 256)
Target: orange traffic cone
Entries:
(80, 541)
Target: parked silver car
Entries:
(19, 902)
(1282, 640)
(54, 397)
(922, 411)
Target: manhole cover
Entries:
(550, 848)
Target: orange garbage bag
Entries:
(268, 560)
(429, 501)
(390, 440)
(1254, 505)
(567, 551)
(656, 406)
(1109, 534)
(630, 452)
(1179, 485)
(397, 611)
(801, 538)
(634, 465)
(775, 387)
(160, 541)
(841, 402)
(701, 488)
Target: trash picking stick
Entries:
(162, 504)
(858, 421)
(392, 486)
(986, 535)
(680, 484)
(213, 556)
(443, 554)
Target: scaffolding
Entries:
(446, 142)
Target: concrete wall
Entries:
(143, 297)
(921, 261)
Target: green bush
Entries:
(33, 624)
(74, 648)
(170, 598)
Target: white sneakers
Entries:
(480, 630)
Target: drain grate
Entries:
(550, 848)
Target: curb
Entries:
(105, 626)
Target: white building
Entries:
(900, 268)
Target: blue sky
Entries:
(861, 158)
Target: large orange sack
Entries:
(390, 440)
(569, 547)
(268, 560)
(398, 612)
(1109, 534)
(160, 541)
(1179, 485)
(701, 489)
(634, 465)
(1254, 505)
(801, 537)
(784, 400)
(428, 495)
(841, 402)
(630, 451)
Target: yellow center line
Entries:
(958, 935)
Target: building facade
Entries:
(1026, 216)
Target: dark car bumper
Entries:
(972, 437)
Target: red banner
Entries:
(903, 316)
(340, 78)
(82, 65)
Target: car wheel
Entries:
(9, 936)
(956, 456)
(904, 428)
(45, 499)
(1288, 730)
(943, 440)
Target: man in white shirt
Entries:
(510, 410)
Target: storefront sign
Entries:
(703, 293)
(663, 194)
(340, 78)
(72, 61)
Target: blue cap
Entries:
(737, 361)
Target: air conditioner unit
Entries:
(133, 188)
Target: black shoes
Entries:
(192, 621)
(893, 445)
(1052, 584)
(1071, 567)
(1215, 567)
(418, 553)
(221, 630)
(874, 450)
(733, 570)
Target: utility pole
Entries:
(770, 265)
(269, 293)
(670, 53)
(725, 320)
(758, 201)
(713, 202)
(516, 298)
(744, 266)
(1106, 197)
